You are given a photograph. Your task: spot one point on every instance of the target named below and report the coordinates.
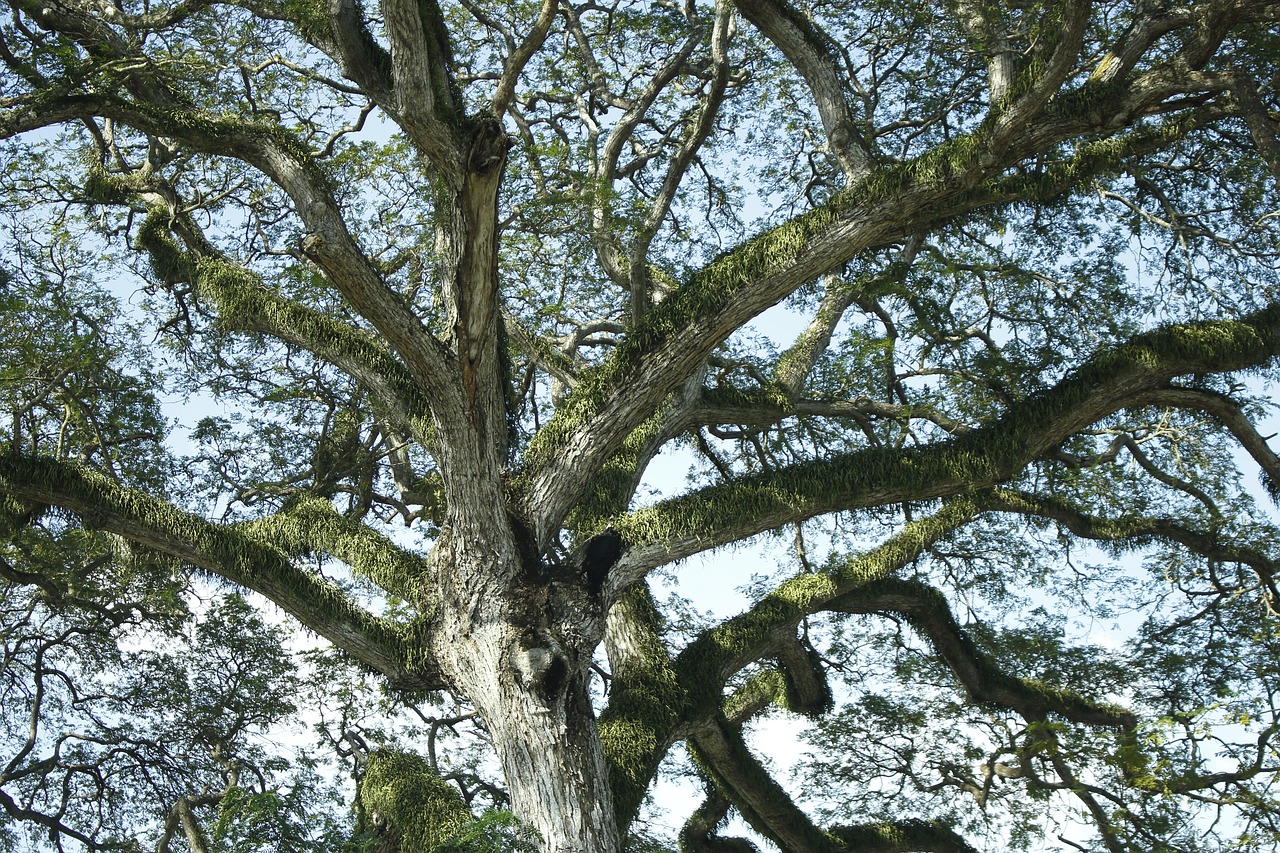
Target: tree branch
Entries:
(815, 55)
(244, 303)
(425, 97)
(309, 525)
(1231, 415)
(229, 553)
(908, 836)
(706, 664)
(680, 332)
(1135, 531)
(283, 159)
(642, 719)
(985, 456)
(519, 58)
(983, 680)
(719, 747)
(700, 128)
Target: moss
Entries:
(793, 698)
(245, 304)
(17, 514)
(609, 491)
(705, 664)
(105, 187)
(705, 294)
(751, 788)
(646, 706)
(408, 801)
(969, 462)
(902, 835)
(767, 687)
(230, 553)
(311, 18)
(169, 261)
(310, 524)
(245, 137)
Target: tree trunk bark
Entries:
(530, 684)
(516, 638)
(512, 635)
(555, 768)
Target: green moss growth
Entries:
(751, 788)
(244, 303)
(609, 491)
(311, 18)
(646, 706)
(901, 835)
(227, 552)
(705, 664)
(705, 294)
(17, 514)
(169, 261)
(105, 187)
(310, 525)
(976, 460)
(767, 687)
(246, 137)
(793, 699)
(404, 799)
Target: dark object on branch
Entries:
(603, 551)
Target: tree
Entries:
(454, 278)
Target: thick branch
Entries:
(240, 558)
(1261, 128)
(680, 332)
(244, 303)
(908, 836)
(983, 680)
(816, 56)
(361, 58)
(309, 525)
(706, 663)
(698, 833)
(720, 748)
(426, 101)
(641, 721)
(982, 457)
(283, 159)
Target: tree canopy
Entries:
(495, 318)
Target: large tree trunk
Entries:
(512, 635)
(529, 681)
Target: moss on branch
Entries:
(708, 661)
(244, 303)
(983, 678)
(975, 460)
(646, 703)
(720, 750)
(310, 524)
(901, 837)
(227, 552)
(406, 802)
